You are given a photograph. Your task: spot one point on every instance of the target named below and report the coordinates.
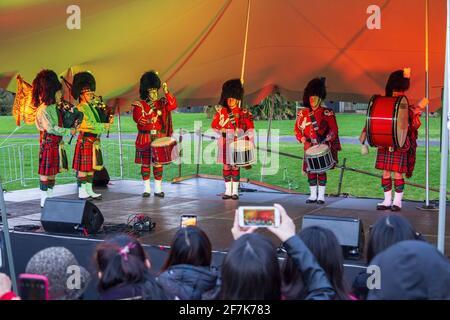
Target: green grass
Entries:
(350, 125)
(288, 175)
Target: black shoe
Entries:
(383, 207)
(145, 195)
(235, 197)
(320, 202)
(226, 197)
(160, 195)
(395, 208)
(311, 201)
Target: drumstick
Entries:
(242, 137)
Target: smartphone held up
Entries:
(259, 217)
(188, 220)
(33, 287)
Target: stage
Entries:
(202, 197)
(196, 196)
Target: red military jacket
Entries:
(242, 117)
(156, 115)
(326, 123)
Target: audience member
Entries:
(124, 271)
(186, 274)
(411, 270)
(387, 231)
(251, 271)
(58, 265)
(326, 249)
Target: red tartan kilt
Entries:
(143, 149)
(396, 161)
(84, 156)
(49, 155)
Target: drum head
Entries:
(165, 141)
(242, 145)
(402, 122)
(317, 150)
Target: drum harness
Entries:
(153, 109)
(314, 125)
(233, 122)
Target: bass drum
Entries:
(387, 121)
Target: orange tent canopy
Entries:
(196, 45)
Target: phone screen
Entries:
(259, 217)
(187, 220)
(32, 289)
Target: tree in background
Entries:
(6, 102)
(283, 109)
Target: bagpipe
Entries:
(71, 116)
(105, 112)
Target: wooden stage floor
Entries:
(202, 197)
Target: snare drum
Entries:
(243, 152)
(164, 150)
(387, 121)
(319, 159)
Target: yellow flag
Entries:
(23, 109)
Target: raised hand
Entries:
(423, 103)
(237, 231)
(286, 229)
(165, 88)
(5, 284)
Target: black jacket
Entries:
(315, 279)
(187, 282)
(148, 290)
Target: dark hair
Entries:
(315, 87)
(45, 86)
(121, 260)
(82, 80)
(396, 82)
(250, 270)
(387, 231)
(232, 88)
(149, 80)
(326, 249)
(190, 245)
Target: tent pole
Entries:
(427, 115)
(244, 56)
(445, 141)
(269, 135)
(12, 271)
(119, 129)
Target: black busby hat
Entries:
(149, 80)
(398, 81)
(45, 86)
(316, 87)
(81, 81)
(231, 89)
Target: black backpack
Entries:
(101, 178)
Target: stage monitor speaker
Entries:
(71, 216)
(348, 231)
